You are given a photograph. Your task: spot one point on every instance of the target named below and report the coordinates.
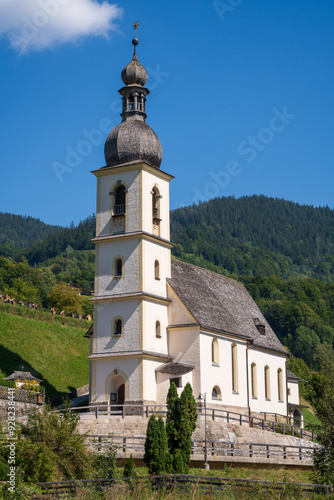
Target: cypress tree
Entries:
(173, 418)
(188, 418)
(129, 468)
(156, 446)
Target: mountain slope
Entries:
(22, 231)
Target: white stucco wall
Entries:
(148, 182)
(294, 389)
(274, 361)
(163, 384)
(105, 313)
(105, 377)
(152, 251)
(106, 254)
(105, 201)
(153, 312)
(178, 314)
(221, 375)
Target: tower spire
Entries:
(135, 41)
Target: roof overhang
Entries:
(174, 368)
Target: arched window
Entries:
(216, 393)
(155, 203)
(119, 208)
(118, 327)
(156, 270)
(156, 211)
(254, 380)
(235, 378)
(267, 393)
(215, 352)
(157, 329)
(118, 267)
(280, 384)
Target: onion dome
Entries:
(133, 140)
(134, 73)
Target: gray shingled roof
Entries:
(22, 376)
(292, 376)
(220, 303)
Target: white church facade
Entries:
(156, 319)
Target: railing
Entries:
(119, 209)
(229, 417)
(265, 451)
(197, 485)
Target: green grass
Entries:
(55, 353)
(310, 418)
(236, 472)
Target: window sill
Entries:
(117, 335)
(157, 279)
(215, 364)
(267, 399)
(254, 397)
(280, 401)
(216, 399)
(118, 276)
(235, 392)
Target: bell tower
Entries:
(133, 258)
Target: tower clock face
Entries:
(119, 224)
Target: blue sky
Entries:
(241, 98)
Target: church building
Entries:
(157, 319)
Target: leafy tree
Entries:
(104, 464)
(50, 448)
(323, 456)
(156, 446)
(63, 298)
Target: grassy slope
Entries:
(55, 353)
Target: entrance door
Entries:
(121, 394)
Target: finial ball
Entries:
(135, 41)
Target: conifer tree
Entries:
(173, 417)
(188, 418)
(129, 468)
(156, 446)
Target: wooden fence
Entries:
(182, 483)
(279, 424)
(129, 445)
(23, 396)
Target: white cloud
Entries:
(40, 24)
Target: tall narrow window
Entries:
(254, 380)
(119, 208)
(235, 378)
(267, 393)
(215, 352)
(157, 329)
(280, 384)
(156, 211)
(118, 327)
(119, 267)
(156, 270)
(118, 217)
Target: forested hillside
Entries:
(256, 236)
(18, 231)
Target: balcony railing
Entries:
(119, 209)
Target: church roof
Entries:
(221, 304)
